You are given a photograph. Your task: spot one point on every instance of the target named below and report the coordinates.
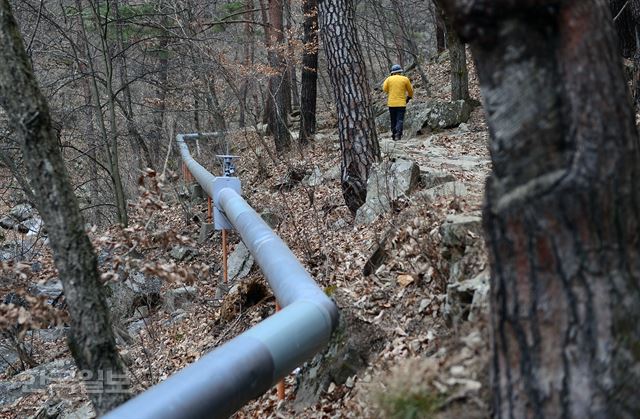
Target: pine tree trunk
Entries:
(91, 339)
(356, 126)
(562, 208)
(309, 71)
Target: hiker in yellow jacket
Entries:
(400, 91)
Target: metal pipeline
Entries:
(247, 366)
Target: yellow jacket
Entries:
(398, 87)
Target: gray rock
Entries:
(451, 189)
(461, 230)
(9, 223)
(52, 409)
(339, 224)
(135, 327)
(22, 212)
(430, 179)
(176, 317)
(314, 179)
(468, 299)
(9, 357)
(392, 150)
(35, 380)
(429, 116)
(178, 298)
(333, 173)
(387, 182)
(206, 231)
(52, 335)
(83, 412)
(348, 352)
(123, 297)
(50, 289)
(183, 253)
(239, 263)
(424, 304)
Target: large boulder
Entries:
(35, 379)
(137, 290)
(387, 182)
(431, 116)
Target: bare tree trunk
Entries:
(459, 74)
(111, 141)
(91, 339)
(159, 115)
(563, 208)
(278, 82)
(309, 71)
(356, 126)
(248, 40)
(292, 79)
(138, 145)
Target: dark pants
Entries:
(397, 121)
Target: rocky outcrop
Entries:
(431, 116)
(387, 182)
(349, 350)
(137, 290)
(468, 285)
(22, 218)
(35, 379)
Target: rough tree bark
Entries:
(562, 208)
(309, 90)
(358, 139)
(91, 338)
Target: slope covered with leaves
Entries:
(422, 360)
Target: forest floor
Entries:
(443, 362)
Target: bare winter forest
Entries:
(427, 209)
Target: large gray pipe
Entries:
(247, 366)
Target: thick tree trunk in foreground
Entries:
(91, 340)
(309, 71)
(563, 208)
(356, 126)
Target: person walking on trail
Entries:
(399, 91)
